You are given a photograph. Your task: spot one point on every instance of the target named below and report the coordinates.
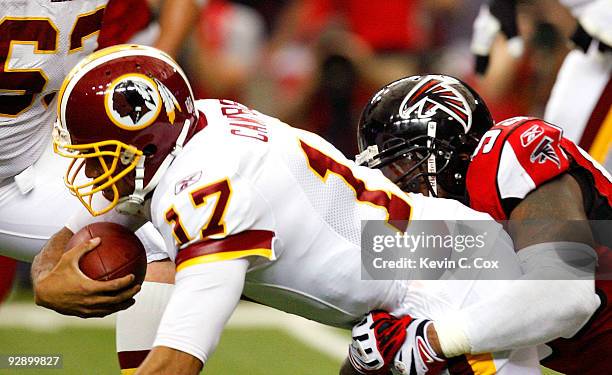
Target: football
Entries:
(119, 253)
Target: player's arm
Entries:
(213, 225)
(204, 297)
(176, 20)
(495, 16)
(60, 285)
(554, 298)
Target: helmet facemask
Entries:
(114, 159)
(420, 164)
(117, 161)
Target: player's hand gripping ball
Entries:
(119, 253)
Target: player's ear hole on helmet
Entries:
(149, 150)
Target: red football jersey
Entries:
(519, 154)
(514, 158)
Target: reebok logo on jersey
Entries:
(433, 95)
(186, 182)
(545, 151)
(531, 135)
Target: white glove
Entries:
(417, 357)
(382, 342)
(376, 340)
(363, 352)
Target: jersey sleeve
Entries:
(513, 159)
(214, 218)
(195, 328)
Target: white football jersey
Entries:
(248, 185)
(40, 41)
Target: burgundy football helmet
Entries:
(132, 108)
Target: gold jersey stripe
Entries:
(209, 258)
(482, 364)
(603, 140)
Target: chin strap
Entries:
(366, 157)
(134, 203)
(431, 161)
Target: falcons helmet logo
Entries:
(545, 151)
(433, 95)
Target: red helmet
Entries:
(131, 107)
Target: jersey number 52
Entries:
(18, 87)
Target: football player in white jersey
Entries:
(40, 41)
(246, 205)
(584, 81)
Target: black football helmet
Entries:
(425, 128)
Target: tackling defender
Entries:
(419, 132)
(247, 204)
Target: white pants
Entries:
(29, 218)
(573, 104)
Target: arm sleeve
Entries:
(552, 299)
(202, 302)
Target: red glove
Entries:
(382, 342)
(376, 340)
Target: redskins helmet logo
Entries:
(433, 95)
(134, 101)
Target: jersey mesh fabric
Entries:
(24, 138)
(336, 208)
